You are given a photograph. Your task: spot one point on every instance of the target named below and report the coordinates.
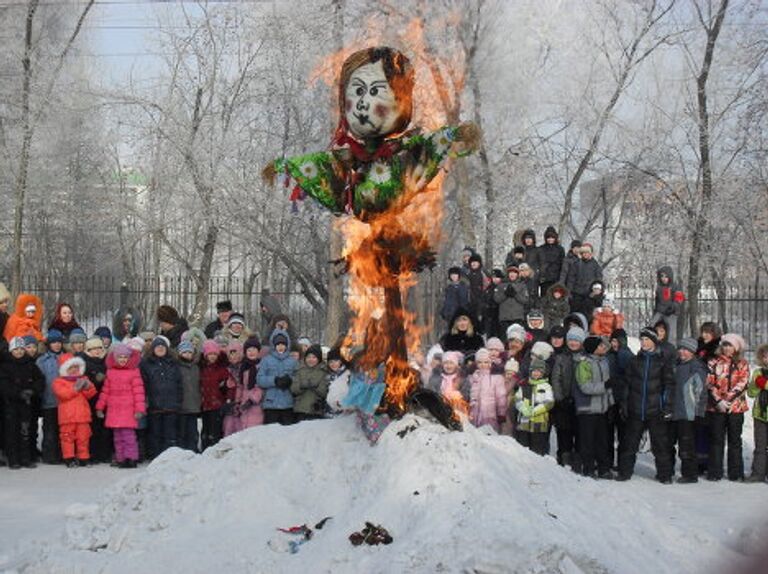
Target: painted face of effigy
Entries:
(370, 104)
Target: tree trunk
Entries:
(702, 223)
(203, 277)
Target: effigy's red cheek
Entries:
(381, 110)
(347, 104)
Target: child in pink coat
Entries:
(122, 396)
(488, 394)
(249, 395)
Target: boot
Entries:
(687, 480)
(70, 463)
(752, 478)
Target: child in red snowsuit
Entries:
(73, 390)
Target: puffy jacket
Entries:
(728, 382)
(488, 399)
(568, 270)
(550, 262)
(555, 310)
(690, 390)
(512, 298)
(213, 377)
(590, 393)
(587, 272)
(276, 365)
(19, 375)
(309, 389)
(73, 404)
(650, 386)
(162, 382)
(249, 400)
(456, 296)
(122, 395)
(538, 396)
(619, 363)
(758, 389)
(563, 374)
(669, 297)
(48, 363)
(606, 321)
(190, 383)
(19, 325)
(444, 384)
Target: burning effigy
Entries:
(382, 175)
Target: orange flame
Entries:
(382, 252)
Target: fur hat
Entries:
(136, 343)
(497, 273)
(16, 343)
(736, 341)
(591, 343)
(252, 342)
(454, 271)
(512, 366)
(223, 306)
(619, 334)
(210, 347)
(69, 363)
(576, 334)
(557, 332)
(94, 343)
(476, 257)
(103, 332)
(482, 355)
(542, 350)
(160, 341)
(453, 357)
(167, 314)
(688, 343)
(494, 343)
(54, 336)
(575, 243)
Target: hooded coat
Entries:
(310, 388)
(162, 383)
(488, 399)
(48, 363)
(587, 272)
(669, 297)
(73, 404)
(555, 310)
(19, 325)
(122, 395)
(590, 393)
(550, 257)
(650, 386)
(118, 331)
(213, 378)
(513, 299)
(276, 365)
(270, 309)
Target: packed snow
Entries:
(467, 501)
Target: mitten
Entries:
(138, 416)
(509, 290)
(100, 414)
(723, 406)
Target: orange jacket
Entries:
(19, 325)
(73, 405)
(606, 321)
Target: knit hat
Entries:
(649, 333)
(315, 350)
(16, 343)
(94, 343)
(539, 365)
(550, 232)
(279, 338)
(512, 366)
(513, 269)
(619, 334)
(160, 341)
(591, 343)
(515, 331)
(688, 343)
(334, 355)
(494, 343)
(252, 342)
(236, 318)
(497, 273)
(608, 301)
(136, 343)
(576, 334)
(222, 306)
(542, 350)
(103, 332)
(476, 257)
(185, 347)
(575, 243)
(121, 350)
(167, 314)
(736, 341)
(535, 314)
(211, 347)
(453, 357)
(454, 271)
(482, 355)
(77, 336)
(303, 341)
(519, 249)
(54, 336)
(557, 332)
(30, 340)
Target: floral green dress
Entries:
(366, 184)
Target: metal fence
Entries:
(742, 309)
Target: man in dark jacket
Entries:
(587, 272)
(551, 255)
(528, 241)
(171, 325)
(223, 312)
(619, 358)
(491, 323)
(512, 299)
(568, 268)
(562, 379)
(456, 294)
(650, 398)
(478, 281)
(690, 403)
(669, 298)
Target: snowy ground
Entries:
(454, 502)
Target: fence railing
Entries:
(740, 308)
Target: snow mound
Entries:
(453, 502)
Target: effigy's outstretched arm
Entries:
(313, 175)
